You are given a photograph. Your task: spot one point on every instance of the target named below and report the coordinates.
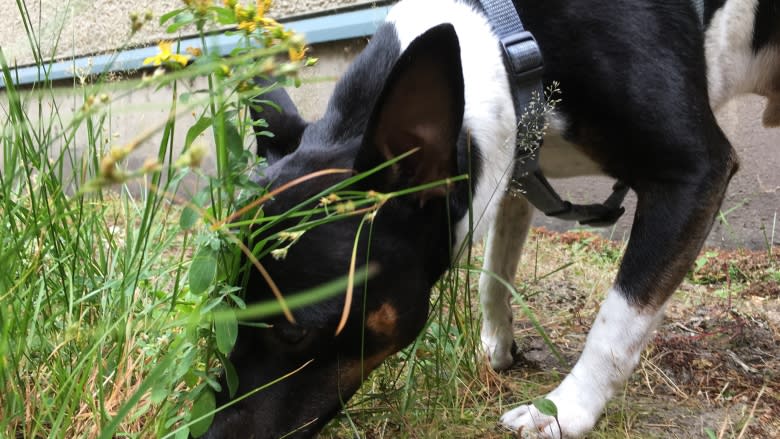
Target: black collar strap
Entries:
(698, 5)
(524, 64)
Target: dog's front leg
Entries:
(611, 353)
(671, 223)
(502, 253)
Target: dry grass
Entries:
(710, 371)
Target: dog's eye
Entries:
(290, 334)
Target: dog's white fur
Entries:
(732, 66)
(502, 253)
(621, 330)
(728, 50)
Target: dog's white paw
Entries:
(574, 420)
(498, 343)
(577, 414)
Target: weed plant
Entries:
(120, 293)
(117, 304)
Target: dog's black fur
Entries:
(765, 31)
(411, 256)
(635, 96)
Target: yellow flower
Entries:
(269, 23)
(241, 13)
(330, 199)
(166, 55)
(345, 207)
(194, 51)
(247, 26)
(199, 6)
(297, 53)
(263, 6)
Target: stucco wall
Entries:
(81, 27)
(750, 210)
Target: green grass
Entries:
(120, 292)
(117, 283)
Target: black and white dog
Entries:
(639, 81)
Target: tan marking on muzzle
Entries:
(355, 371)
(383, 321)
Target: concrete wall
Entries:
(82, 27)
(749, 211)
(137, 111)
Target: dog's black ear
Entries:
(283, 122)
(421, 106)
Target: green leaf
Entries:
(238, 301)
(173, 420)
(546, 407)
(170, 15)
(191, 378)
(203, 407)
(184, 366)
(710, 433)
(196, 130)
(203, 271)
(233, 140)
(231, 377)
(159, 392)
(190, 215)
(180, 21)
(224, 15)
(226, 329)
(184, 433)
(213, 303)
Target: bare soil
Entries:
(713, 367)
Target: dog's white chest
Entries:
(562, 159)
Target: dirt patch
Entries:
(590, 240)
(741, 265)
(713, 366)
(767, 290)
(720, 356)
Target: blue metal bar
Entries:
(318, 29)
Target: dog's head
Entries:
(388, 104)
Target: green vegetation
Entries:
(120, 290)
(117, 286)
